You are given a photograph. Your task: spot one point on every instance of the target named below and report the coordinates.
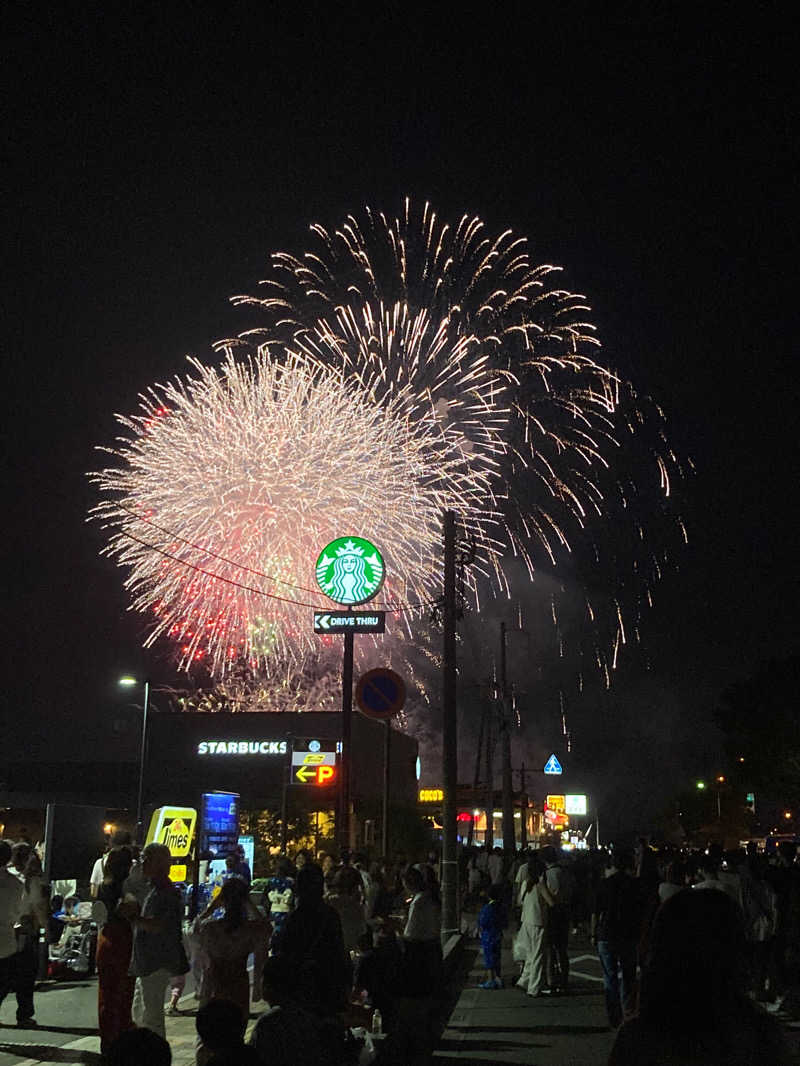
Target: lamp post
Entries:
(720, 781)
(130, 682)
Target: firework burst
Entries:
(232, 479)
(402, 366)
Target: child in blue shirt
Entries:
(491, 923)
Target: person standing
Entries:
(96, 878)
(345, 898)
(784, 877)
(421, 937)
(694, 1009)
(708, 869)
(560, 883)
(280, 895)
(158, 952)
(616, 927)
(114, 942)
(536, 904)
(494, 866)
(227, 942)
(33, 917)
(242, 867)
(491, 923)
(312, 943)
(10, 908)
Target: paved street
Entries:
(67, 1031)
(503, 1026)
(507, 1026)
(484, 1028)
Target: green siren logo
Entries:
(350, 570)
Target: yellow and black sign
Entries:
(175, 827)
(316, 775)
(431, 795)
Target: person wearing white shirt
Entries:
(495, 866)
(96, 879)
(421, 937)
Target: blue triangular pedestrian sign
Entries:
(552, 766)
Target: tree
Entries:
(761, 723)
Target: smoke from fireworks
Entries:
(405, 366)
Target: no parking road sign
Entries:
(380, 694)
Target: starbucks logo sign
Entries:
(350, 570)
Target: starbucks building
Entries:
(252, 754)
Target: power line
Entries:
(215, 555)
(392, 608)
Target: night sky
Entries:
(156, 162)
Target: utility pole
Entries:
(287, 769)
(387, 753)
(509, 841)
(140, 834)
(476, 776)
(523, 814)
(347, 727)
(489, 801)
(450, 925)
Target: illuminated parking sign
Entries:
(314, 761)
(350, 570)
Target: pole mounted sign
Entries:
(175, 827)
(350, 570)
(380, 694)
(552, 766)
(575, 804)
(355, 621)
(313, 762)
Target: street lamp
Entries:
(131, 682)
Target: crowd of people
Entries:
(335, 943)
(696, 949)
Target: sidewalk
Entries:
(181, 1035)
(506, 1026)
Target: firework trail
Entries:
(403, 366)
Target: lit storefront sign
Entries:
(575, 804)
(431, 795)
(241, 747)
(350, 570)
(174, 827)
